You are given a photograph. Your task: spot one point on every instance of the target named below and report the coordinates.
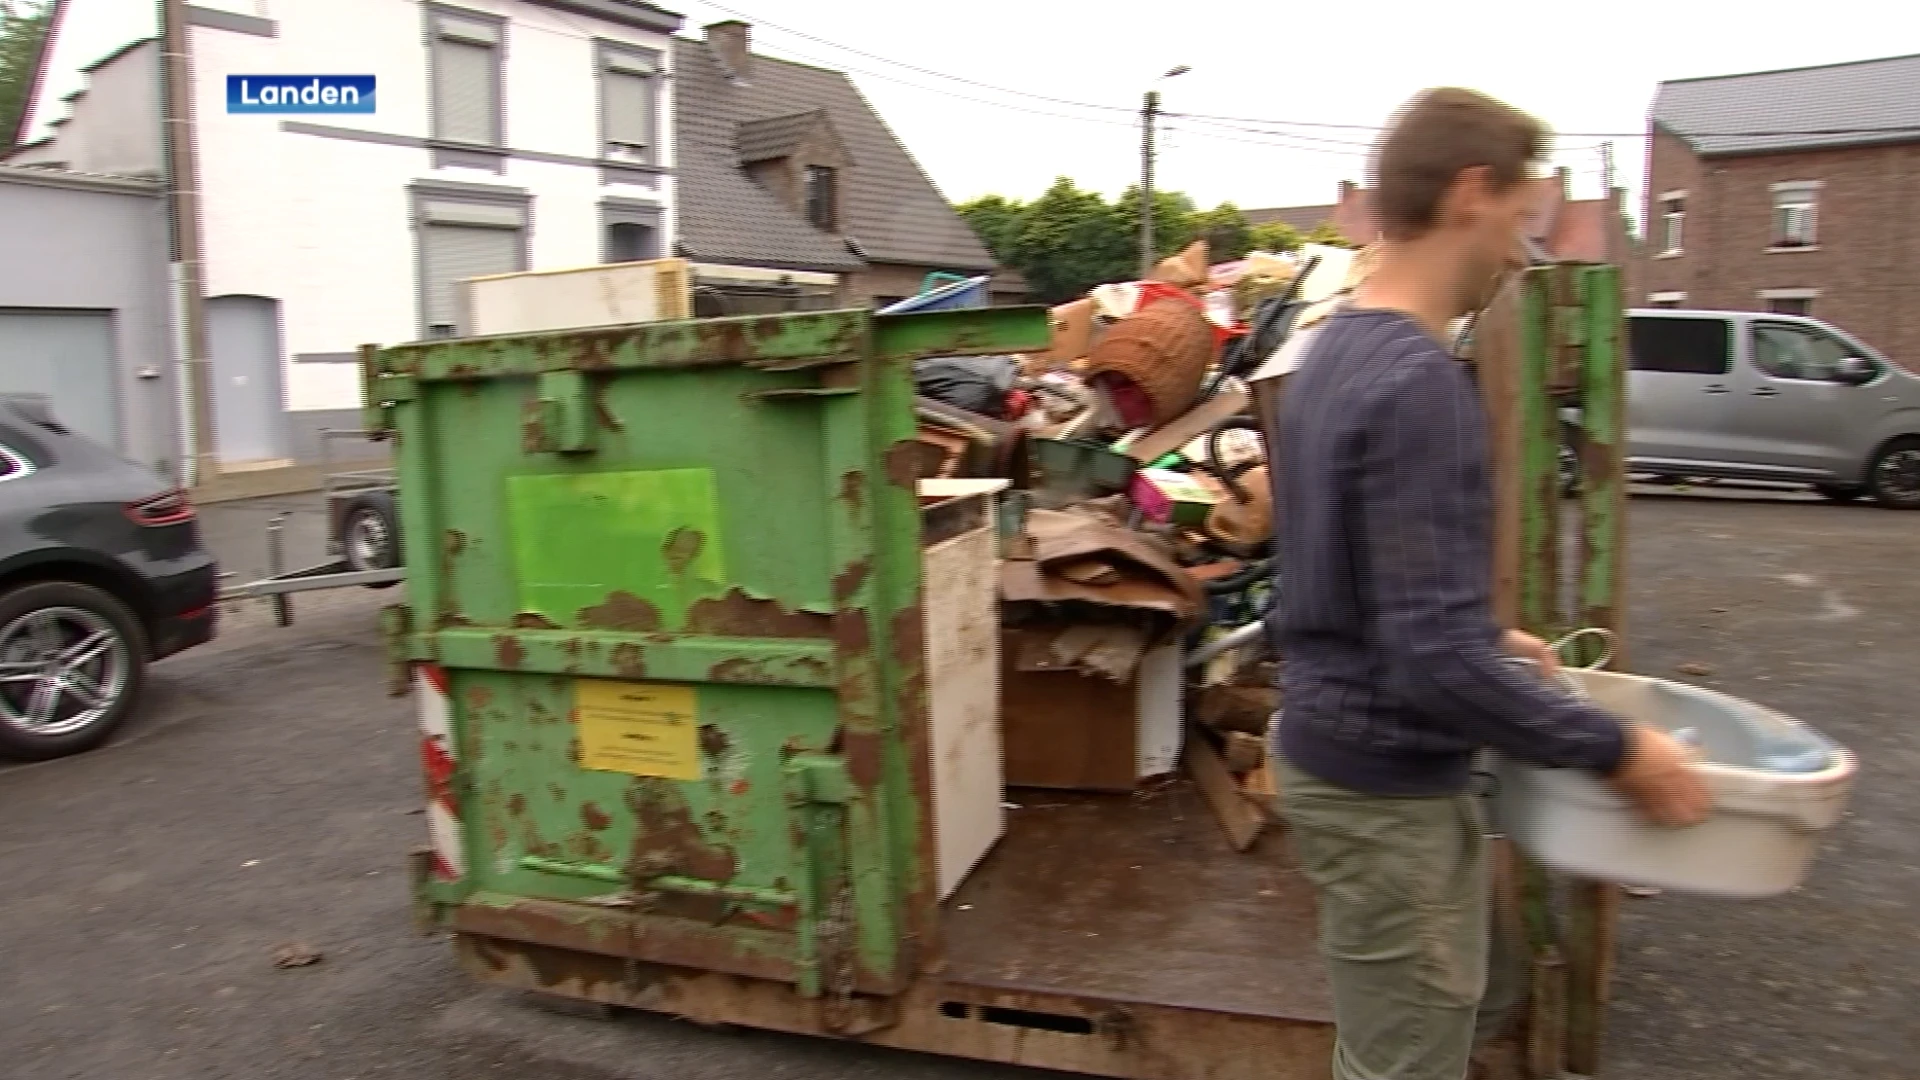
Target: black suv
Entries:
(101, 573)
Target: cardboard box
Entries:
(1082, 730)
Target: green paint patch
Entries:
(628, 551)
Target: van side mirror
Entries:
(1855, 371)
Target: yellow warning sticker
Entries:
(645, 729)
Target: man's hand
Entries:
(1654, 774)
(1525, 646)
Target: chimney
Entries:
(732, 42)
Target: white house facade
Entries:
(507, 135)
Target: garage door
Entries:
(68, 356)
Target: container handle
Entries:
(1607, 637)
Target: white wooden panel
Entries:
(963, 683)
(589, 296)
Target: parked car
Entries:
(101, 573)
(1756, 396)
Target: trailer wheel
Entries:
(370, 534)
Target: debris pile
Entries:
(1136, 573)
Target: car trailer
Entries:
(363, 536)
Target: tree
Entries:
(1069, 241)
(1274, 236)
(997, 221)
(23, 29)
(1226, 232)
(1329, 234)
(1173, 215)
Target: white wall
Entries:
(323, 223)
(89, 31)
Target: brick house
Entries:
(1791, 191)
(1565, 228)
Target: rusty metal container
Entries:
(664, 628)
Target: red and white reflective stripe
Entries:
(437, 761)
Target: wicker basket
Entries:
(1164, 348)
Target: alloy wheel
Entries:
(62, 669)
(1897, 475)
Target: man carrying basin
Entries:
(1396, 673)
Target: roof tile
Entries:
(888, 205)
(1806, 108)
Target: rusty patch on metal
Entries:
(739, 669)
(713, 741)
(450, 620)
(533, 426)
(851, 632)
(622, 611)
(628, 661)
(668, 841)
(601, 412)
(818, 669)
(594, 818)
(683, 546)
(456, 543)
(517, 804)
(863, 752)
(738, 615)
(479, 697)
(559, 793)
(853, 490)
(507, 651)
(909, 654)
(533, 620)
(847, 583)
(903, 464)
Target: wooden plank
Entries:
(1241, 821)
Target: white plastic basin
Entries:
(1766, 822)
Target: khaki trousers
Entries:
(1405, 925)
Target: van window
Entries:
(1685, 346)
(1789, 351)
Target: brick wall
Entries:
(1864, 267)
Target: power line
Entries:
(1271, 122)
(910, 67)
(943, 92)
(1802, 132)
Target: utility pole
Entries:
(1149, 108)
(199, 459)
(1147, 111)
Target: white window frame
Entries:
(1673, 224)
(1798, 199)
(1809, 295)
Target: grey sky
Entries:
(1581, 69)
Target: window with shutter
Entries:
(629, 104)
(450, 254)
(466, 79)
(629, 125)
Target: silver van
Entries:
(1755, 396)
